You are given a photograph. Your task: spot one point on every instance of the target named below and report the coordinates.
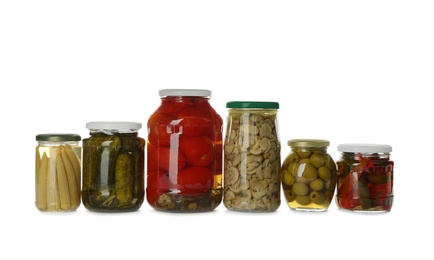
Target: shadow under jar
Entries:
(184, 153)
(113, 167)
(308, 175)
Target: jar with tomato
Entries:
(184, 153)
(252, 157)
(365, 177)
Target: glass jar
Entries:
(308, 175)
(184, 153)
(365, 177)
(58, 172)
(252, 157)
(113, 167)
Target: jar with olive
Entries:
(113, 167)
(252, 157)
(365, 177)
(308, 175)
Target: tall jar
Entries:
(308, 175)
(58, 172)
(184, 153)
(365, 177)
(252, 157)
(113, 167)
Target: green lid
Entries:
(252, 104)
(58, 137)
(308, 143)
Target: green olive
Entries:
(289, 195)
(287, 178)
(324, 173)
(293, 168)
(309, 171)
(303, 200)
(293, 157)
(317, 197)
(305, 161)
(316, 185)
(317, 160)
(304, 153)
(302, 180)
(300, 189)
(330, 163)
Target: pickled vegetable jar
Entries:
(252, 157)
(113, 167)
(58, 172)
(308, 175)
(184, 153)
(365, 177)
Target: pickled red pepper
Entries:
(365, 182)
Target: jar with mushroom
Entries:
(252, 157)
(58, 172)
(308, 175)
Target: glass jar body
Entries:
(58, 175)
(113, 170)
(308, 178)
(365, 182)
(184, 155)
(252, 161)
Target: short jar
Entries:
(365, 177)
(252, 157)
(113, 167)
(58, 172)
(184, 153)
(308, 175)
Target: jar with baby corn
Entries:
(58, 172)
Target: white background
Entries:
(346, 71)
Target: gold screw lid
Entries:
(308, 142)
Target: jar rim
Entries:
(111, 125)
(185, 92)
(309, 142)
(253, 104)
(57, 137)
(364, 148)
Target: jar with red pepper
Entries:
(365, 177)
(184, 153)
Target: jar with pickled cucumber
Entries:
(365, 177)
(58, 172)
(184, 153)
(308, 175)
(252, 157)
(113, 167)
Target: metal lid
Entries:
(110, 125)
(365, 148)
(308, 142)
(58, 137)
(184, 92)
(252, 104)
